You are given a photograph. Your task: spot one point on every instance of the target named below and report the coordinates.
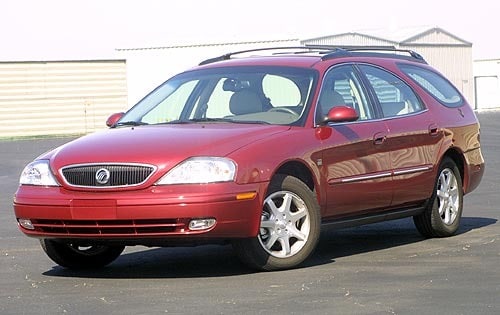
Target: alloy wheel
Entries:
(285, 224)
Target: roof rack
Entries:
(228, 55)
(346, 50)
(350, 47)
(328, 51)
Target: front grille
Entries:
(112, 175)
(111, 228)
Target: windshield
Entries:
(267, 95)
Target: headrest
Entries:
(245, 102)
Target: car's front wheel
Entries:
(442, 216)
(289, 228)
(77, 256)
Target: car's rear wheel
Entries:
(442, 216)
(78, 256)
(289, 228)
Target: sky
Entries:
(34, 30)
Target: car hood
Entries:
(163, 146)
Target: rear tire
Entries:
(289, 229)
(441, 217)
(75, 256)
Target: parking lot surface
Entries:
(385, 268)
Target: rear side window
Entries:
(440, 88)
(395, 97)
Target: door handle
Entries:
(379, 138)
(433, 130)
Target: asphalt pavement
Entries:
(385, 268)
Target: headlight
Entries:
(38, 173)
(200, 170)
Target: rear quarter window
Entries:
(435, 84)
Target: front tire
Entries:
(441, 217)
(75, 256)
(289, 228)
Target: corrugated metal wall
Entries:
(67, 97)
(438, 38)
(350, 39)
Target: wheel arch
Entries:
(456, 156)
(300, 170)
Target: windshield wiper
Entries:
(229, 120)
(210, 120)
(258, 122)
(131, 123)
(226, 120)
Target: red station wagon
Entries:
(261, 148)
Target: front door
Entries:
(356, 164)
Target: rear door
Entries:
(355, 159)
(413, 136)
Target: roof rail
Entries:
(328, 51)
(350, 47)
(346, 50)
(228, 55)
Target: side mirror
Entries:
(341, 113)
(113, 119)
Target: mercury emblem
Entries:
(102, 176)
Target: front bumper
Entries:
(153, 213)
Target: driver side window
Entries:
(341, 86)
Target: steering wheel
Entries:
(283, 109)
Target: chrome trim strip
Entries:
(413, 170)
(381, 175)
(365, 177)
(108, 163)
